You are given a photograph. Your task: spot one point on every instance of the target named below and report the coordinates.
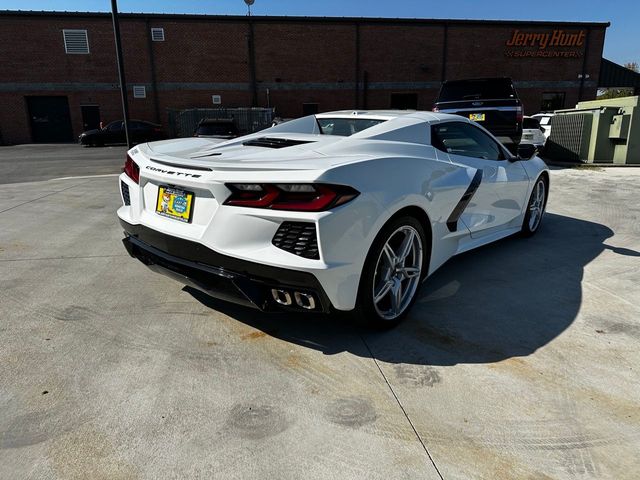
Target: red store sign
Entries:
(554, 44)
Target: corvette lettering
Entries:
(172, 172)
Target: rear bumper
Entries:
(536, 143)
(221, 276)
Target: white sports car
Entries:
(343, 211)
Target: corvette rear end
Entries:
(347, 211)
(217, 225)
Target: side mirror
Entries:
(542, 129)
(526, 151)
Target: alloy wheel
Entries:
(536, 206)
(398, 271)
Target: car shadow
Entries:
(504, 300)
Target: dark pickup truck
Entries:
(492, 102)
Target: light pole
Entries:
(123, 83)
(249, 3)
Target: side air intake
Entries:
(125, 193)
(298, 238)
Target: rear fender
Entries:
(396, 183)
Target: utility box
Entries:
(598, 131)
(570, 137)
(619, 127)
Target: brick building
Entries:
(59, 71)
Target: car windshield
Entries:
(345, 127)
(216, 129)
(530, 124)
(498, 88)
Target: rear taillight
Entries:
(132, 169)
(300, 197)
(519, 114)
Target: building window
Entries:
(157, 34)
(216, 99)
(552, 101)
(76, 41)
(404, 101)
(139, 91)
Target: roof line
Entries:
(268, 18)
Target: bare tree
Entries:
(606, 93)
(633, 66)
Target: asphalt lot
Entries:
(519, 361)
(33, 163)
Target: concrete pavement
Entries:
(519, 361)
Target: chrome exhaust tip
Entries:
(305, 300)
(281, 296)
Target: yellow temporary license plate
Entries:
(175, 203)
(476, 117)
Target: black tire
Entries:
(530, 227)
(367, 312)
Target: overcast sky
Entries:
(621, 45)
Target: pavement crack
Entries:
(44, 196)
(424, 446)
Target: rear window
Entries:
(544, 120)
(530, 123)
(499, 88)
(345, 127)
(216, 129)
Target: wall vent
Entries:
(76, 41)
(157, 34)
(139, 91)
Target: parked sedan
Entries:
(139, 131)
(545, 121)
(533, 133)
(298, 219)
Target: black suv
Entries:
(492, 102)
